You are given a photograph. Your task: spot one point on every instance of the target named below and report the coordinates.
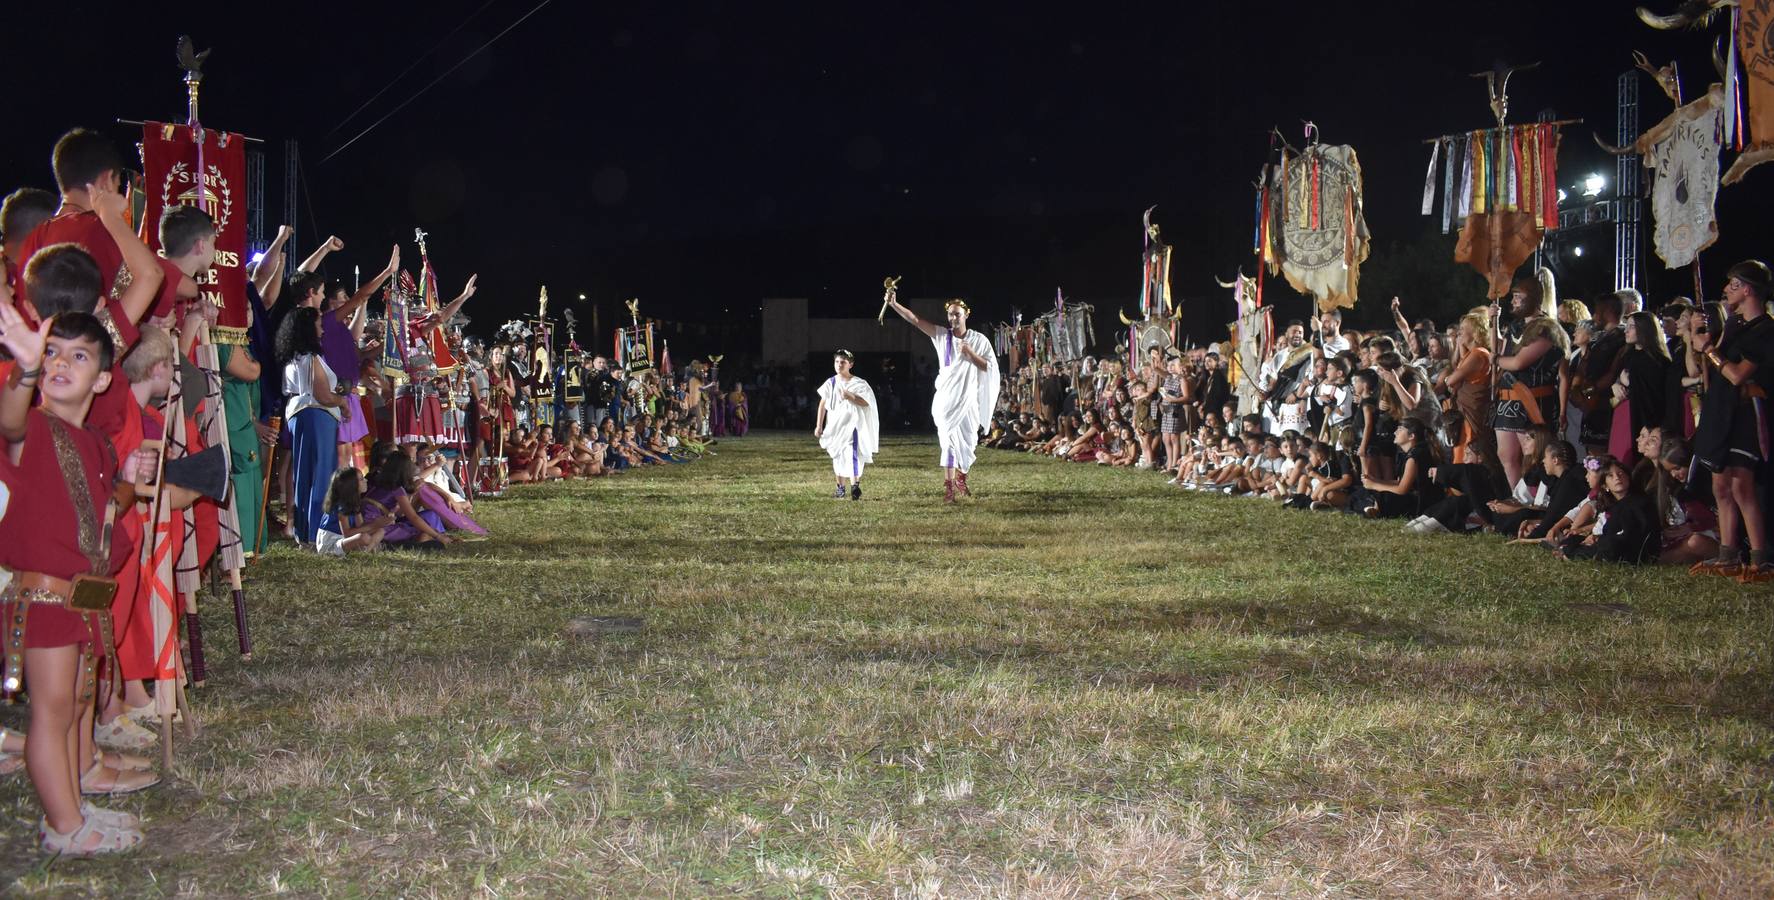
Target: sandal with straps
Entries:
(1756, 574)
(11, 760)
(116, 818)
(94, 837)
(1730, 568)
(121, 782)
(123, 762)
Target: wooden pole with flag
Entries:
(158, 579)
(230, 554)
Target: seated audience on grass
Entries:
(391, 481)
(1561, 491)
(344, 527)
(657, 444)
(1627, 527)
(433, 489)
(1089, 440)
(587, 454)
(1413, 490)
(1691, 529)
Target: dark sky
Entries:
(701, 156)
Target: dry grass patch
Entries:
(1084, 684)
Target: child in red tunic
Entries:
(62, 476)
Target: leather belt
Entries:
(60, 588)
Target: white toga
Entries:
(965, 396)
(852, 433)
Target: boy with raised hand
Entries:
(89, 174)
(66, 277)
(58, 546)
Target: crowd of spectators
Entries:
(1601, 430)
(137, 439)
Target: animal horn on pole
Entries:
(1627, 150)
(1691, 14)
(1668, 77)
(1124, 319)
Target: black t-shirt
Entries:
(1603, 348)
(1535, 477)
(1568, 491)
(602, 390)
(1337, 466)
(1427, 490)
(1753, 341)
(1381, 440)
(1216, 391)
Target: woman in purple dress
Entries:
(391, 484)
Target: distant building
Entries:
(791, 336)
(895, 358)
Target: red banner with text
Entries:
(205, 168)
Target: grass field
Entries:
(1084, 684)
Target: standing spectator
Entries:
(312, 407)
(1467, 386)
(1533, 378)
(1733, 440)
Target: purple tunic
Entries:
(403, 530)
(339, 349)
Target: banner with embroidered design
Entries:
(205, 168)
(1684, 159)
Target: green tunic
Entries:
(240, 403)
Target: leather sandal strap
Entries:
(103, 836)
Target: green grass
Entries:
(1085, 683)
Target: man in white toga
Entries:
(966, 390)
(849, 428)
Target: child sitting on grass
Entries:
(344, 526)
(391, 481)
(657, 446)
(676, 437)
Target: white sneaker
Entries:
(1424, 525)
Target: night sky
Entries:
(703, 156)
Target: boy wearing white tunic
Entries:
(849, 427)
(966, 390)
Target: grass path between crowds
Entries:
(1083, 684)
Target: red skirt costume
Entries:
(40, 533)
(418, 414)
(131, 612)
